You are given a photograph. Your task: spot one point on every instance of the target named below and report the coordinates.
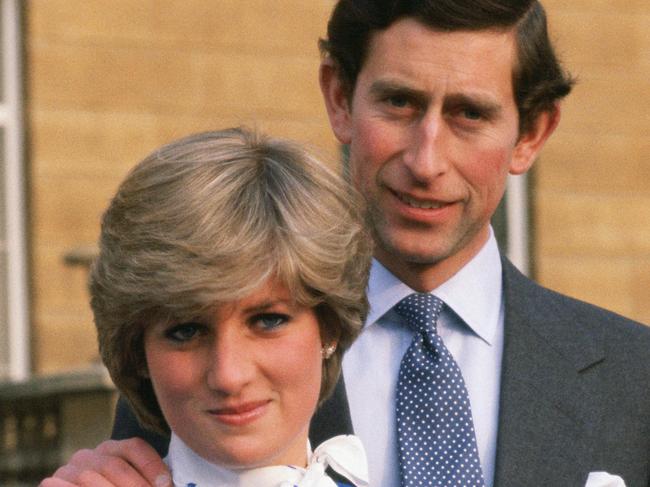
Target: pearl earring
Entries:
(327, 351)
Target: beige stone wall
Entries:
(109, 80)
(593, 179)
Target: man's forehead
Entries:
(409, 55)
(412, 33)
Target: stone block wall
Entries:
(110, 80)
(592, 185)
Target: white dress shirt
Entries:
(471, 326)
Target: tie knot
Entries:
(421, 311)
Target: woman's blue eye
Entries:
(271, 321)
(183, 332)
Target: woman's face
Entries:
(239, 386)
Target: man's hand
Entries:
(132, 463)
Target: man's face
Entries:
(433, 132)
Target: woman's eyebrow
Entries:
(265, 305)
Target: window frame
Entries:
(16, 364)
(517, 218)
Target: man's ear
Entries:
(336, 100)
(530, 144)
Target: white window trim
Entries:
(11, 119)
(517, 222)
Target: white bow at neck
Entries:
(344, 454)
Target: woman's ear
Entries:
(336, 99)
(330, 341)
(329, 329)
(531, 143)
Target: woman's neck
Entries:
(190, 468)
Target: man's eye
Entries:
(270, 321)
(397, 101)
(183, 332)
(471, 114)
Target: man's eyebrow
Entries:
(487, 106)
(388, 87)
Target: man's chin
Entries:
(411, 255)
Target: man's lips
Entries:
(419, 203)
(240, 414)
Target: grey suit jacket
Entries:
(575, 392)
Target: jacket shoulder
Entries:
(583, 333)
(527, 298)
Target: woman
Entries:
(230, 281)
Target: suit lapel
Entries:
(332, 418)
(546, 418)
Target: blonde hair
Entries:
(207, 220)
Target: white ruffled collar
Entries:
(344, 454)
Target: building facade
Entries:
(107, 81)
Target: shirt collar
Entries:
(473, 293)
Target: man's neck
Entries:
(424, 277)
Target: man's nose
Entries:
(425, 156)
(230, 364)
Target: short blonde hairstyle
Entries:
(207, 220)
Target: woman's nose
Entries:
(230, 364)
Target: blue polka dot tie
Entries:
(436, 440)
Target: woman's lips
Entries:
(240, 414)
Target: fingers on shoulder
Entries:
(112, 463)
(54, 482)
(132, 448)
(71, 476)
(139, 455)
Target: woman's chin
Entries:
(246, 458)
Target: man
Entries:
(439, 101)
